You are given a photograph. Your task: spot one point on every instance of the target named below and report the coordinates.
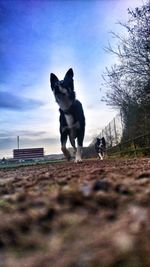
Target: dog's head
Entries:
(63, 89)
(100, 142)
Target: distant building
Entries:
(28, 153)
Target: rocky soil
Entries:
(93, 214)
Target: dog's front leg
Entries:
(72, 141)
(63, 146)
(100, 156)
(78, 157)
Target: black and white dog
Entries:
(72, 120)
(100, 147)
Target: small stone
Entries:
(143, 175)
(46, 175)
(101, 185)
(121, 189)
(86, 190)
(124, 242)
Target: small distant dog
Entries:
(72, 120)
(100, 147)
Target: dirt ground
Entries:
(92, 214)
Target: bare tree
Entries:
(129, 80)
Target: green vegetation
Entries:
(26, 163)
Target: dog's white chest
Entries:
(69, 120)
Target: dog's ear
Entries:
(69, 74)
(68, 80)
(53, 80)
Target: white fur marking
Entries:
(100, 155)
(63, 90)
(63, 101)
(78, 154)
(70, 120)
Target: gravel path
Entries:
(92, 214)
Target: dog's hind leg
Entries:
(63, 146)
(66, 152)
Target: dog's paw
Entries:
(78, 159)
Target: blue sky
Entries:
(38, 37)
